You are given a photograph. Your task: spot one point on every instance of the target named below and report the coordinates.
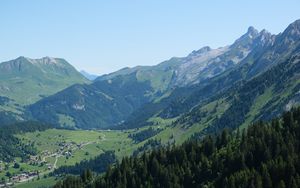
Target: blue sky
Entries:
(103, 36)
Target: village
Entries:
(66, 149)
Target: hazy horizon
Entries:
(102, 37)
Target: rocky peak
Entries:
(246, 40)
(292, 32)
(295, 25)
(290, 38)
(201, 51)
(251, 32)
(265, 38)
(44, 60)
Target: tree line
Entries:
(144, 134)
(98, 164)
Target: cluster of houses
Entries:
(38, 160)
(65, 149)
(24, 176)
(9, 184)
(46, 153)
(67, 145)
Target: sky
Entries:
(101, 36)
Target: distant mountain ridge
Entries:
(88, 75)
(199, 65)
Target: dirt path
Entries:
(56, 159)
(57, 156)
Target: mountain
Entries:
(207, 63)
(88, 75)
(159, 76)
(199, 65)
(223, 104)
(261, 98)
(100, 107)
(24, 81)
(191, 103)
(200, 89)
(102, 104)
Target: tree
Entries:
(8, 174)
(16, 165)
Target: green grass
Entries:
(23, 168)
(159, 79)
(96, 142)
(261, 101)
(42, 182)
(12, 107)
(258, 104)
(35, 80)
(180, 133)
(66, 121)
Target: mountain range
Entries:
(254, 78)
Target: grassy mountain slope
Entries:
(261, 98)
(269, 93)
(24, 81)
(159, 76)
(236, 81)
(27, 80)
(102, 104)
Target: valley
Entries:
(217, 117)
(61, 147)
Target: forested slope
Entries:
(11, 146)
